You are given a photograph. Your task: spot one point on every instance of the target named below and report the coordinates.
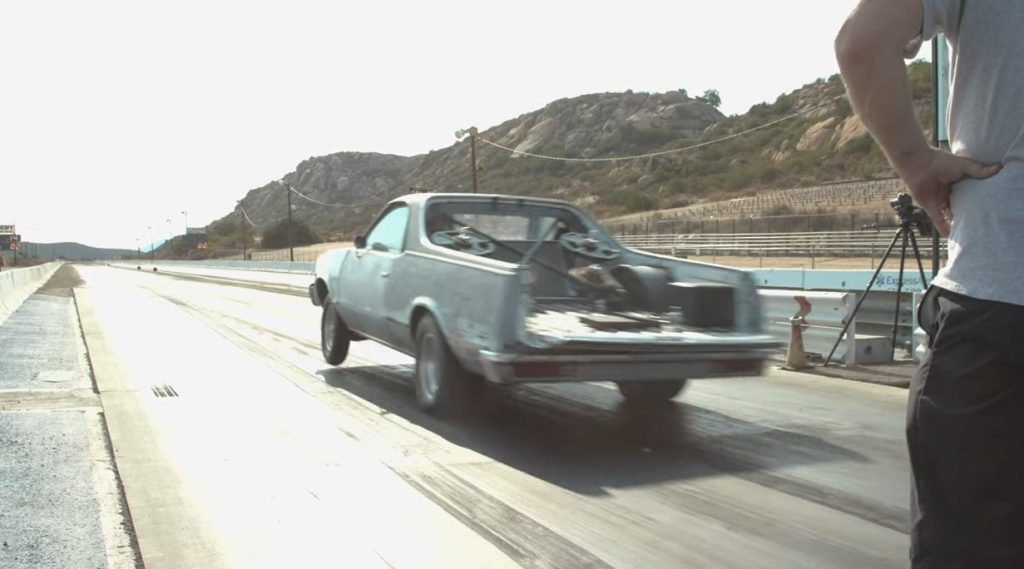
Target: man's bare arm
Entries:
(869, 49)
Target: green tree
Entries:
(712, 97)
(276, 237)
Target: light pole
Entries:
(291, 249)
(243, 230)
(138, 248)
(472, 132)
(170, 236)
(185, 213)
(150, 243)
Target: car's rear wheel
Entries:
(443, 386)
(334, 336)
(650, 392)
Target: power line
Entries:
(664, 152)
(247, 218)
(318, 202)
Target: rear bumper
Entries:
(552, 368)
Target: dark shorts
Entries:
(965, 432)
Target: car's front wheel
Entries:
(650, 392)
(334, 336)
(443, 386)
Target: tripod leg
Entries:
(899, 291)
(863, 296)
(917, 255)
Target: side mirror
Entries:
(360, 242)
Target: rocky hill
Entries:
(811, 137)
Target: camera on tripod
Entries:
(911, 215)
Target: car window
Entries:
(508, 223)
(390, 229)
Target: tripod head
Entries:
(911, 215)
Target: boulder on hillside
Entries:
(818, 136)
(851, 129)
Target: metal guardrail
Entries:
(272, 266)
(826, 318)
(275, 255)
(824, 313)
(868, 243)
(872, 326)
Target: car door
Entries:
(365, 276)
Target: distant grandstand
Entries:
(797, 200)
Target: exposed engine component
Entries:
(645, 286)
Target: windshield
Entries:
(507, 222)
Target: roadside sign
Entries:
(10, 242)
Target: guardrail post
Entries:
(851, 332)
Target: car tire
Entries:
(334, 336)
(443, 386)
(650, 392)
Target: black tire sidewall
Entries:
(449, 370)
(340, 342)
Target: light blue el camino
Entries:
(508, 290)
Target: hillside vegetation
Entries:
(816, 140)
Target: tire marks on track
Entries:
(526, 541)
(384, 413)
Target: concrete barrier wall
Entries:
(875, 317)
(275, 266)
(16, 285)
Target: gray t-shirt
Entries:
(986, 123)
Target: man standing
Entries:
(965, 419)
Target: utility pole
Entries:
(150, 243)
(244, 239)
(472, 154)
(472, 132)
(291, 250)
(185, 213)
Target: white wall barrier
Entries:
(16, 285)
(825, 314)
(274, 266)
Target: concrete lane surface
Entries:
(60, 503)
(225, 463)
(238, 446)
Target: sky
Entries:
(116, 116)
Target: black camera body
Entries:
(911, 215)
